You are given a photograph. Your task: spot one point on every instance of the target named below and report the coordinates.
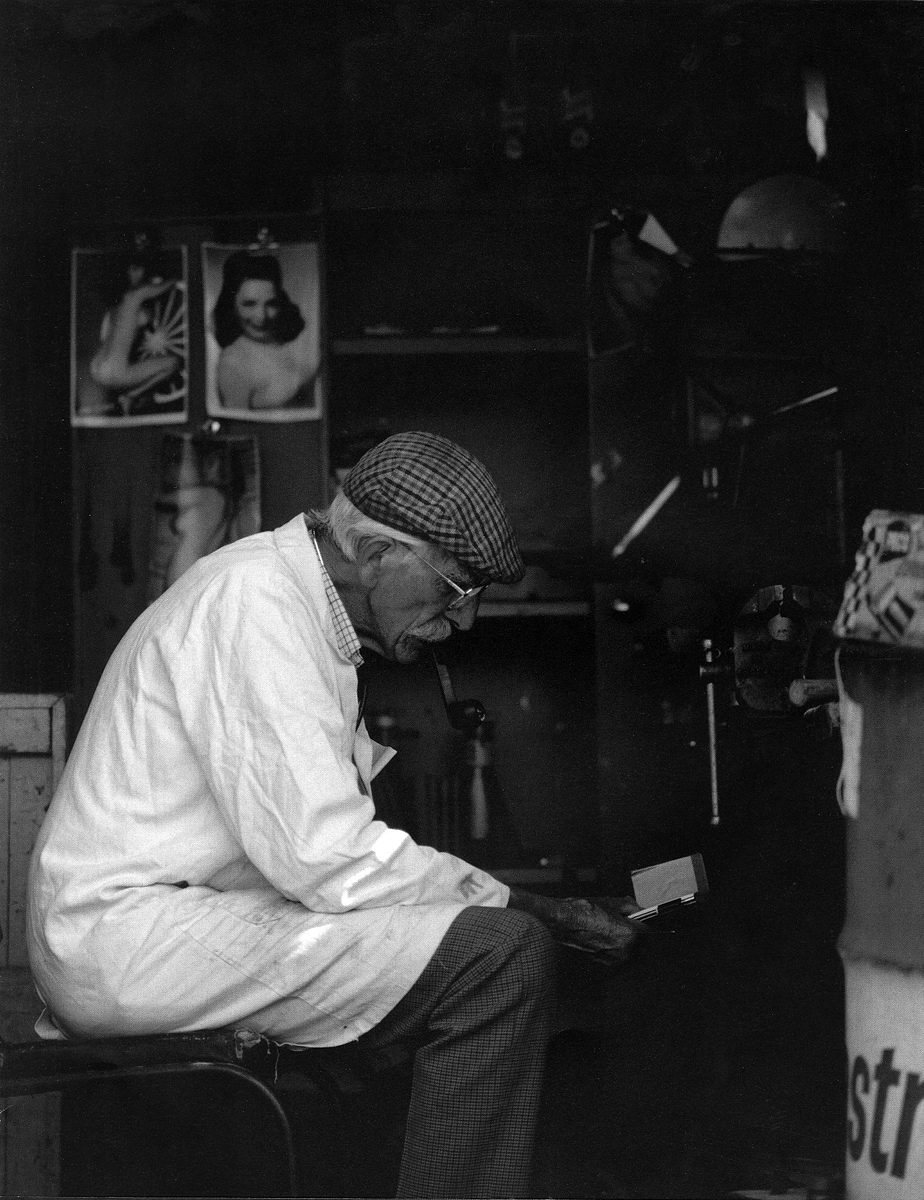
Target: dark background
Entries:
(176, 112)
(378, 126)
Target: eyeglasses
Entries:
(465, 594)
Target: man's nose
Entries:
(463, 618)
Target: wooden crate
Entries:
(32, 754)
(32, 751)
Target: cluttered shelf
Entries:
(457, 344)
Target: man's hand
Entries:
(598, 927)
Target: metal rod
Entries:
(808, 400)
(713, 756)
(646, 517)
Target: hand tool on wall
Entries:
(646, 517)
(708, 672)
(464, 715)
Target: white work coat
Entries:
(211, 856)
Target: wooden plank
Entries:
(58, 712)
(20, 1006)
(29, 1125)
(32, 754)
(5, 802)
(25, 730)
(534, 608)
(30, 1151)
(33, 746)
(458, 344)
(30, 793)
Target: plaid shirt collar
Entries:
(348, 643)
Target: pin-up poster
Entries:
(129, 337)
(208, 495)
(262, 322)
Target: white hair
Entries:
(349, 529)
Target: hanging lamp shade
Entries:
(784, 212)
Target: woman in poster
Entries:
(269, 353)
(138, 366)
(209, 495)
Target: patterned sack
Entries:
(884, 597)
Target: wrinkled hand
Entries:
(598, 927)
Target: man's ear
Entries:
(370, 559)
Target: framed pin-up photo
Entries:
(262, 308)
(129, 337)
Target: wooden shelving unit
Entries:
(534, 608)
(470, 324)
(451, 344)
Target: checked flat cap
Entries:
(429, 486)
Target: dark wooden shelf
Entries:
(452, 344)
(534, 608)
(755, 356)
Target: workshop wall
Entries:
(196, 114)
(180, 113)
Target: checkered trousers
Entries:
(481, 1014)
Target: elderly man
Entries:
(212, 856)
